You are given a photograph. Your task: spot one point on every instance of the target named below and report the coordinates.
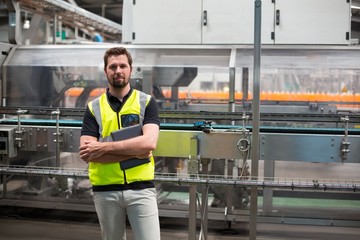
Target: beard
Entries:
(117, 82)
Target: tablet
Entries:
(127, 133)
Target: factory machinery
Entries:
(308, 171)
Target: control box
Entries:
(7, 141)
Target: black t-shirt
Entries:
(91, 128)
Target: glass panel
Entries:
(305, 81)
(68, 76)
(327, 77)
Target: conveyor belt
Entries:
(278, 183)
(77, 113)
(304, 130)
(42, 122)
(191, 127)
(354, 117)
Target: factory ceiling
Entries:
(110, 9)
(90, 17)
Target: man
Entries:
(118, 190)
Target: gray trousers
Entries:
(139, 205)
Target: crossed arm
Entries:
(106, 152)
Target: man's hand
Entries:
(91, 150)
(145, 155)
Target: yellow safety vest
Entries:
(103, 174)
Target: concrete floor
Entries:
(57, 225)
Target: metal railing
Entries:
(185, 179)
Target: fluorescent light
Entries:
(26, 24)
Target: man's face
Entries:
(118, 71)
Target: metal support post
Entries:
(57, 137)
(269, 172)
(232, 73)
(345, 144)
(193, 171)
(19, 138)
(14, 22)
(4, 183)
(174, 94)
(255, 153)
(204, 198)
(3, 176)
(54, 27)
(245, 87)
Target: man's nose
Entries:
(118, 69)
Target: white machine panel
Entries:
(167, 22)
(232, 22)
(312, 22)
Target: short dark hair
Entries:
(116, 51)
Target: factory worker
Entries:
(121, 166)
